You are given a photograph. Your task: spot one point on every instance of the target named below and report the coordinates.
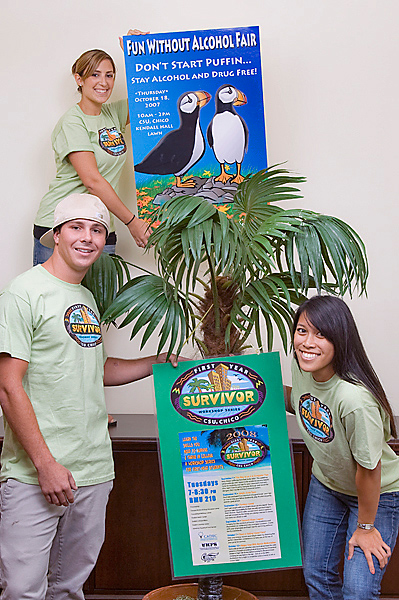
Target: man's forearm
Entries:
(21, 417)
(118, 371)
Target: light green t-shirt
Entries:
(76, 131)
(343, 424)
(53, 325)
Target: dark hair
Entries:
(88, 62)
(57, 228)
(332, 317)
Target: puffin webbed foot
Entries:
(237, 179)
(223, 177)
(189, 183)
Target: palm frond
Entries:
(252, 202)
(187, 239)
(269, 258)
(147, 300)
(270, 297)
(328, 250)
(104, 278)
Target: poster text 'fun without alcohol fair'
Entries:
(196, 113)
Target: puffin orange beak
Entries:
(203, 98)
(241, 99)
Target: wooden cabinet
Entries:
(135, 558)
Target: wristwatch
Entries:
(367, 526)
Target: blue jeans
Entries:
(42, 253)
(329, 520)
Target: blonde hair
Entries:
(88, 62)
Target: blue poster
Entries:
(226, 449)
(230, 500)
(196, 113)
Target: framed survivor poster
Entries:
(196, 113)
(226, 463)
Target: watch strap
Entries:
(367, 526)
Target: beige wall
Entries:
(331, 96)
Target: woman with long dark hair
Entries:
(345, 420)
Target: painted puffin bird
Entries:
(181, 148)
(227, 133)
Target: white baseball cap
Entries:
(77, 206)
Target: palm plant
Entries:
(254, 265)
(219, 276)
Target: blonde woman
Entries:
(90, 151)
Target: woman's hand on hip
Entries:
(371, 543)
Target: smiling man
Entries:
(56, 464)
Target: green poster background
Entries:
(272, 413)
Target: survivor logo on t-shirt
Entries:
(316, 418)
(83, 326)
(112, 141)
